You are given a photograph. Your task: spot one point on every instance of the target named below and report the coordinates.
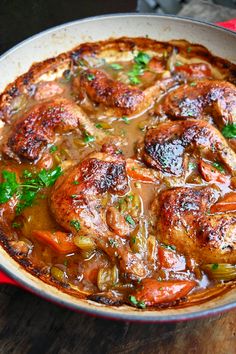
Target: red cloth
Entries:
(231, 24)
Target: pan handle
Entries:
(231, 24)
(4, 279)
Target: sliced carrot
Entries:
(154, 292)
(210, 173)
(58, 241)
(170, 260)
(227, 203)
(195, 69)
(136, 171)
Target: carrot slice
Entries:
(136, 171)
(58, 241)
(195, 69)
(154, 292)
(227, 203)
(210, 173)
(170, 260)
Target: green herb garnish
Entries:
(229, 131)
(130, 220)
(113, 243)
(142, 58)
(75, 224)
(53, 149)
(178, 63)
(193, 83)
(141, 61)
(214, 266)
(218, 166)
(28, 188)
(88, 138)
(136, 303)
(16, 225)
(126, 120)
(116, 66)
(90, 77)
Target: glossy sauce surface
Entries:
(152, 160)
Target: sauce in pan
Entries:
(118, 172)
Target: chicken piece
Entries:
(165, 146)
(206, 97)
(119, 98)
(185, 222)
(77, 204)
(37, 128)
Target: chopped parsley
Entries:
(130, 220)
(88, 138)
(29, 186)
(136, 303)
(75, 224)
(169, 247)
(141, 61)
(193, 83)
(16, 225)
(126, 120)
(189, 49)
(53, 149)
(113, 243)
(218, 166)
(229, 131)
(142, 58)
(90, 77)
(76, 182)
(116, 66)
(214, 266)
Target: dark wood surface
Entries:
(30, 325)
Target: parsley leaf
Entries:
(136, 303)
(28, 188)
(229, 131)
(142, 58)
(130, 220)
(53, 149)
(75, 224)
(88, 138)
(9, 186)
(116, 66)
(218, 166)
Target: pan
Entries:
(219, 41)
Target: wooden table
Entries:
(30, 325)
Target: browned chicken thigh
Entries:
(77, 205)
(204, 98)
(38, 126)
(165, 145)
(185, 221)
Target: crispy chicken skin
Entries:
(206, 97)
(37, 127)
(77, 197)
(101, 89)
(165, 145)
(185, 222)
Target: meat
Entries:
(101, 89)
(194, 71)
(185, 221)
(206, 97)
(165, 146)
(37, 128)
(119, 98)
(77, 204)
